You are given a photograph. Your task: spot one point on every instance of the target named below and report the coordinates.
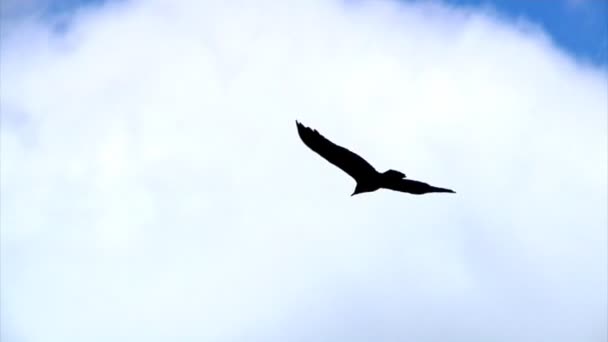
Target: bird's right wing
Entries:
(413, 187)
(349, 162)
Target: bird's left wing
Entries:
(348, 161)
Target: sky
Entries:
(153, 186)
(577, 26)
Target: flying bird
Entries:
(366, 176)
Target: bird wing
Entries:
(348, 161)
(413, 187)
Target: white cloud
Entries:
(154, 187)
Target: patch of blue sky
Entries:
(56, 13)
(579, 27)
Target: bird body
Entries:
(366, 176)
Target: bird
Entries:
(366, 176)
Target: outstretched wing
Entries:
(349, 162)
(413, 187)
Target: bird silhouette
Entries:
(366, 176)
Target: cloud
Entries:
(154, 187)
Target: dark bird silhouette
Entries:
(367, 178)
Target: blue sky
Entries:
(154, 186)
(577, 26)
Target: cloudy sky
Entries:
(153, 186)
